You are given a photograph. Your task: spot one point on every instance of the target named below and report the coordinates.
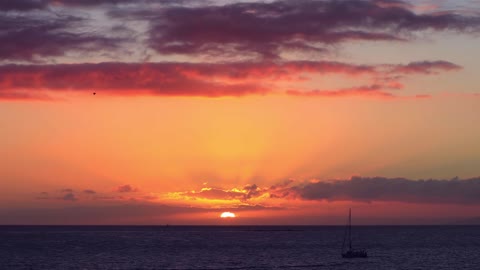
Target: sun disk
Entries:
(227, 215)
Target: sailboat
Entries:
(350, 252)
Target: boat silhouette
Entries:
(350, 252)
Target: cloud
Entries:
(242, 194)
(69, 197)
(214, 193)
(52, 31)
(126, 189)
(423, 96)
(24, 95)
(120, 194)
(268, 29)
(199, 79)
(31, 38)
(379, 91)
(28, 5)
(425, 67)
(375, 91)
(166, 79)
(43, 196)
(92, 3)
(359, 189)
(22, 5)
(386, 189)
(69, 194)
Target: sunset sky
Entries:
(282, 112)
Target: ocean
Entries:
(237, 247)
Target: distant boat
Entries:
(350, 252)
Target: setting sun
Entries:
(227, 215)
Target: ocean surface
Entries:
(237, 247)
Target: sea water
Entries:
(237, 247)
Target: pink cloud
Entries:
(199, 79)
(375, 91)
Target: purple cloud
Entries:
(91, 3)
(22, 5)
(30, 38)
(425, 67)
(270, 29)
(386, 189)
(247, 29)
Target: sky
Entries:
(282, 112)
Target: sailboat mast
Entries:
(350, 228)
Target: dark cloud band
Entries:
(387, 189)
(270, 29)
